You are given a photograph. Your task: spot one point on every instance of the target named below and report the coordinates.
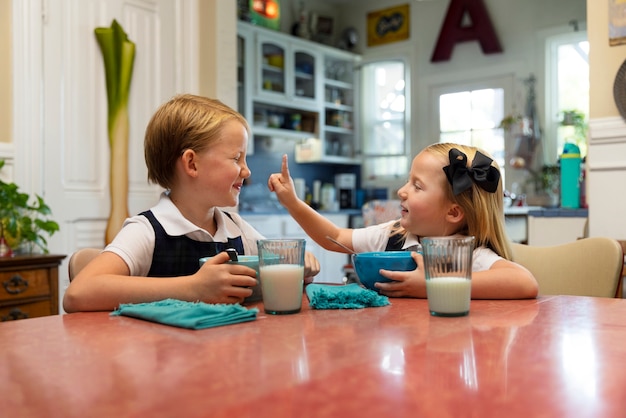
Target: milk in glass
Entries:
(282, 286)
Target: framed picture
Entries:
(617, 22)
(265, 13)
(388, 25)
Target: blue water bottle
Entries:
(570, 177)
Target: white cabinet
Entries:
(339, 117)
(283, 226)
(556, 226)
(245, 54)
(287, 69)
(297, 89)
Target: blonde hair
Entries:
(484, 211)
(184, 122)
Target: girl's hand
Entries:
(311, 267)
(282, 184)
(406, 283)
(218, 281)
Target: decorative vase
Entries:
(5, 250)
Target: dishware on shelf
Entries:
(281, 270)
(448, 271)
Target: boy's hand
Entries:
(218, 281)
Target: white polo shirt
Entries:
(135, 241)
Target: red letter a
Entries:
(453, 31)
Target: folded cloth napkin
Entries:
(350, 296)
(192, 315)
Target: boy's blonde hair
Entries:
(185, 122)
(484, 211)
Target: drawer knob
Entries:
(14, 315)
(15, 285)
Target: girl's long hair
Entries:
(484, 211)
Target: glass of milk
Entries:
(281, 271)
(448, 271)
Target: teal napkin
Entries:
(191, 315)
(350, 296)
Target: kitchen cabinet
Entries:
(547, 227)
(283, 226)
(30, 286)
(340, 117)
(245, 55)
(288, 70)
(297, 89)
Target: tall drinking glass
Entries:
(281, 271)
(448, 270)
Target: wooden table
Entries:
(551, 357)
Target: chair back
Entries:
(79, 259)
(586, 267)
(378, 211)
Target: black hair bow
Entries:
(481, 172)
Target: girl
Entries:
(195, 148)
(452, 189)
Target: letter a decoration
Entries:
(118, 53)
(454, 31)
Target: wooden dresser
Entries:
(29, 286)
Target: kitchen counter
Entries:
(520, 210)
(559, 213)
(282, 211)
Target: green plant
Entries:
(577, 120)
(24, 221)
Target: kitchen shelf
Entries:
(297, 89)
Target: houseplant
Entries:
(24, 220)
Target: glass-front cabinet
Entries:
(298, 89)
(339, 100)
(288, 70)
(245, 55)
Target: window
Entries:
(385, 147)
(567, 60)
(470, 114)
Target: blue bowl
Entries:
(251, 261)
(367, 265)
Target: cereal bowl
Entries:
(367, 265)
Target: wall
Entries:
(5, 72)
(217, 60)
(605, 61)
(607, 143)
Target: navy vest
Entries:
(179, 256)
(395, 242)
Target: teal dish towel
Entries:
(350, 296)
(191, 315)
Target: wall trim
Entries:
(7, 151)
(27, 93)
(607, 130)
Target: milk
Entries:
(282, 286)
(449, 295)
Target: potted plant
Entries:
(546, 183)
(24, 221)
(577, 123)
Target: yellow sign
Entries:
(388, 25)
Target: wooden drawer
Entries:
(22, 284)
(26, 310)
